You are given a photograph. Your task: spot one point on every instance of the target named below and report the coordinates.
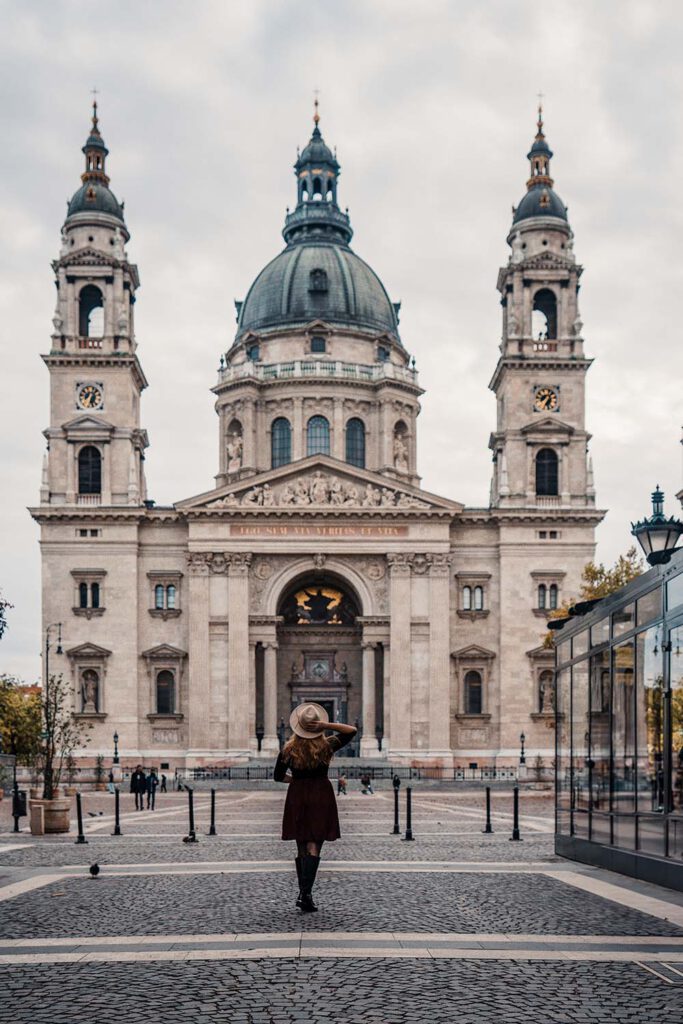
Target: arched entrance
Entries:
(319, 653)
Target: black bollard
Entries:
(117, 823)
(488, 828)
(212, 827)
(397, 830)
(408, 837)
(192, 835)
(515, 815)
(79, 812)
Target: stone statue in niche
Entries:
(89, 692)
(400, 454)
(547, 694)
(319, 489)
(517, 254)
(234, 453)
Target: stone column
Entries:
(338, 437)
(199, 689)
(270, 740)
(240, 681)
(386, 683)
(298, 447)
(399, 569)
(439, 656)
(368, 743)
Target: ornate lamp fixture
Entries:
(657, 535)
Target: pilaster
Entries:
(199, 662)
(400, 609)
(239, 668)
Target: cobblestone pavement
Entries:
(466, 927)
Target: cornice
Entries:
(92, 358)
(539, 362)
(295, 383)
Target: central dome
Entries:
(317, 280)
(317, 277)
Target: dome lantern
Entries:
(540, 200)
(94, 195)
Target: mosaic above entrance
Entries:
(318, 606)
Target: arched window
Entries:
(159, 596)
(542, 593)
(90, 312)
(473, 693)
(94, 595)
(318, 436)
(544, 316)
(467, 599)
(82, 595)
(355, 443)
(165, 693)
(552, 594)
(546, 472)
(89, 471)
(280, 442)
(317, 188)
(478, 599)
(170, 596)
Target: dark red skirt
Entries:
(310, 812)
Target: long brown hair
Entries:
(305, 753)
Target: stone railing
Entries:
(297, 369)
(88, 499)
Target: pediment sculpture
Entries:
(320, 490)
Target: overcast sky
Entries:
(431, 106)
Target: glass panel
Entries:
(564, 651)
(601, 828)
(650, 720)
(676, 683)
(281, 442)
(623, 728)
(165, 693)
(625, 832)
(675, 836)
(580, 736)
(159, 596)
(600, 632)
(650, 606)
(624, 620)
(580, 644)
(580, 824)
(674, 592)
(651, 835)
(600, 732)
(563, 751)
(318, 436)
(170, 596)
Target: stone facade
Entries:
(316, 567)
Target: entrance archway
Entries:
(319, 654)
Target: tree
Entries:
(61, 733)
(598, 581)
(20, 720)
(4, 606)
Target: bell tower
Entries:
(95, 446)
(540, 445)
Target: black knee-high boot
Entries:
(309, 870)
(299, 870)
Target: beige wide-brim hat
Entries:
(304, 716)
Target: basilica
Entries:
(314, 566)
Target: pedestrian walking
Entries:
(310, 816)
(138, 785)
(341, 785)
(162, 788)
(366, 784)
(152, 783)
(110, 783)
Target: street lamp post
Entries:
(522, 757)
(116, 748)
(656, 534)
(46, 683)
(260, 733)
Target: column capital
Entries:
(270, 645)
(198, 563)
(368, 645)
(239, 563)
(441, 564)
(399, 563)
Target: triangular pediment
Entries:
(315, 483)
(88, 651)
(473, 652)
(88, 255)
(547, 425)
(541, 653)
(88, 423)
(164, 652)
(548, 261)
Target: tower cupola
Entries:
(317, 213)
(540, 200)
(94, 196)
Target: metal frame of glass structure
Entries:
(619, 730)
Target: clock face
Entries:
(90, 396)
(546, 400)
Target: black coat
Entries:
(138, 782)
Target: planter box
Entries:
(56, 814)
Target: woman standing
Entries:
(310, 815)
